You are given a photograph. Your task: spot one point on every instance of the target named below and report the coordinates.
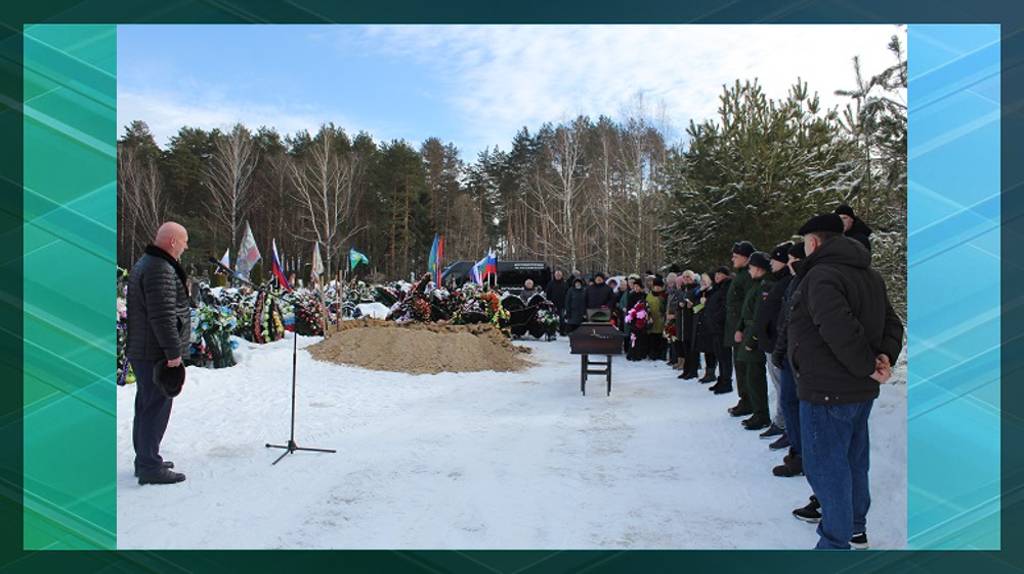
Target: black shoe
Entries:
(722, 390)
(166, 464)
(859, 541)
(162, 476)
(708, 379)
(757, 422)
(791, 467)
(773, 431)
(740, 409)
(687, 376)
(789, 455)
(780, 443)
(810, 513)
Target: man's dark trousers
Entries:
(724, 355)
(836, 457)
(152, 411)
(790, 406)
(741, 375)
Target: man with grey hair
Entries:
(159, 325)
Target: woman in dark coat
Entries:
(703, 339)
(575, 305)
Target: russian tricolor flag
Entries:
(275, 267)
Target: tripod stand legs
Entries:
(292, 447)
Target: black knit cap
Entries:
(781, 252)
(658, 282)
(798, 251)
(723, 270)
(744, 248)
(760, 259)
(844, 210)
(824, 222)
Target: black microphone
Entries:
(216, 262)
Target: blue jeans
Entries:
(790, 406)
(836, 459)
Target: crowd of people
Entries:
(811, 316)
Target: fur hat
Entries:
(797, 251)
(760, 259)
(781, 252)
(744, 248)
(844, 210)
(829, 222)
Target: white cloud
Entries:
(503, 77)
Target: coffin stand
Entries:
(595, 339)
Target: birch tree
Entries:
(229, 178)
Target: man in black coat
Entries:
(853, 226)
(159, 325)
(792, 463)
(599, 295)
(844, 338)
(715, 311)
(555, 291)
(766, 329)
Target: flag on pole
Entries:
(355, 258)
(225, 261)
(248, 253)
(478, 274)
(276, 269)
(491, 265)
(439, 263)
(434, 261)
(318, 263)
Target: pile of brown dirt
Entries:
(419, 348)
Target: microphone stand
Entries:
(291, 446)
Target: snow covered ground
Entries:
(477, 460)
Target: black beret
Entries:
(797, 251)
(781, 252)
(760, 259)
(824, 222)
(723, 270)
(844, 210)
(744, 248)
(169, 379)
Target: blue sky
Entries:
(474, 86)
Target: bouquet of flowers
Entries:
(669, 332)
(548, 318)
(637, 318)
(125, 375)
(211, 336)
(309, 315)
(496, 313)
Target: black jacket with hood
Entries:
(841, 320)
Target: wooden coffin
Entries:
(596, 339)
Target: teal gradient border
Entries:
(69, 241)
(953, 252)
(69, 235)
